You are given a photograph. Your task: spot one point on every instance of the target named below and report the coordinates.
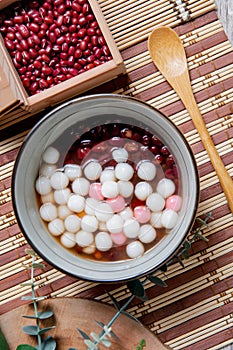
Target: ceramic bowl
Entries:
(62, 126)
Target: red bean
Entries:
(26, 55)
(33, 53)
(65, 47)
(52, 37)
(48, 19)
(24, 31)
(24, 44)
(90, 31)
(43, 84)
(18, 56)
(37, 64)
(38, 20)
(47, 70)
(60, 40)
(8, 22)
(61, 9)
(22, 70)
(78, 53)
(58, 2)
(90, 17)
(47, 6)
(18, 36)
(73, 71)
(26, 82)
(83, 45)
(64, 55)
(45, 58)
(16, 63)
(82, 21)
(18, 19)
(50, 80)
(94, 40)
(59, 20)
(36, 38)
(9, 44)
(67, 19)
(70, 61)
(77, 7)
(81, 32)
(86, 8)
(73, 28)
(34, 86)
(71, 50)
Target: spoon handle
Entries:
(188, 100)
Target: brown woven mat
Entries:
(195, 311)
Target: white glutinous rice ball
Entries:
(107, 175)
(135, 249)
(63, 211)
(68, 240)
(59, 180)
(48, 211)
(103, 241)
(72, 223)
(76, 203)
(51, 155)
(124, 171)
(61, 196)
(120, 155)
(127, 213)
(72, 171)
(110, 189)
(47, 169)
(89, 249)
(80, 186)
(56, 227)
(147, 233)
(115, 224)
(92, 170)
(131, 228)
(49, 197)
(155, 219)
(89, 223)
(43, 185)
(84, 238)
(103, 211)
(142, 190)
(169, 218)
(146, 170)
(155, 202)
(126, 188)
(90, 206)
(166, 187)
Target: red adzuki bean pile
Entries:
(51, 41)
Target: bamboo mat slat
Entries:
(195, 311)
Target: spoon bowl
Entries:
(168, 54)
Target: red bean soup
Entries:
(109, 192)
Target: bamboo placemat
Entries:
(195, 311)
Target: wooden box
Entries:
(13, 96)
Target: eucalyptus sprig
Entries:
(35, 330)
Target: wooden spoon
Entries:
(168, 54)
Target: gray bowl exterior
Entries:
(82, 110)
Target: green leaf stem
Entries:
(158, 281)
(3, 342)
(137, 289)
